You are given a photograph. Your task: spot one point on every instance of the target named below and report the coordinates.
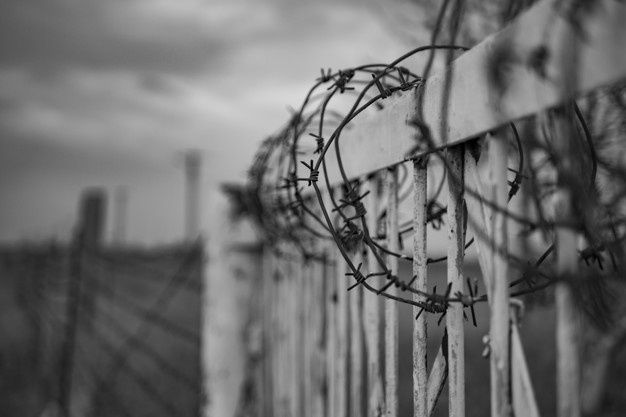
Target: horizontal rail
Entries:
(512, 74)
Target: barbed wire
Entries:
(140, 346)
(148, 314)
(105, 384)
(151, 315)
(119, 264)
(276, 199)
(86, 370)
(130, 342)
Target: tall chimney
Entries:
(193, 162)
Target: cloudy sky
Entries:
(108, 93)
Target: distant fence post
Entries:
(87, 236)
(231, 344)
(90, 229)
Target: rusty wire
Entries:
(275, 194)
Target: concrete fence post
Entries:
(231, 336)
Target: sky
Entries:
(111, 93)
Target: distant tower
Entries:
(193, 162)
(120, 211)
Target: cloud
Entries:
(111, 92)
(52, 35)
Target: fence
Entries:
(322, 334)
(96, 330)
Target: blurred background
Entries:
(110, 93)
(118, 121)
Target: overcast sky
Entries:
(109, 93)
